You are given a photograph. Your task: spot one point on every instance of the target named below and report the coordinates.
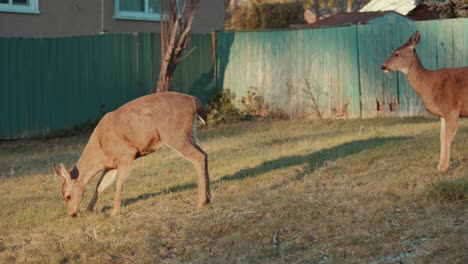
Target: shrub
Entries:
(221, 108)
(254, 105)
(224, 109)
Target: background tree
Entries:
(447, 9)
(325, 8)
(176, 23)
(270, 14)
(263, 14)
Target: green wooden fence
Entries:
(52, 84)
(56, 83)
(339, 68)
(293, 68)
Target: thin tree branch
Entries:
(175, 34)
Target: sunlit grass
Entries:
(283, 192)
(448, 190)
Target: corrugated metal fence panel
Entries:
(341, 65)
(292, 68)
(195, 73)
(460, 30)
(375, 44)
(149, 50)
(348, 62)
(52, 84)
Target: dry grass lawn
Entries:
(356, 191)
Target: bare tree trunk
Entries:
(176, 23)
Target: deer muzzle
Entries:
(75, 214)
(385, 68)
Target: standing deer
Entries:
(136, 129)
(444, 92)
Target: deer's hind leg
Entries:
(191, 151)
(106, 179)
(448, 129)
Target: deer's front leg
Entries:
(122, 173)
(448, 129)
(107, 178)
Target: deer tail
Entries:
(201, 111)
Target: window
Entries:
(20, 6)
(137, 10)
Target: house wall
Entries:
(60, 18)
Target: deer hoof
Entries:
(442, 168)
(114, 213)
(203, 203)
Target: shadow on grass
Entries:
(314, 160)
(145, 196)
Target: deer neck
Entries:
(87, 166)
(417, 76)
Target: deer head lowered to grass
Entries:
(136, 129)
(444, 92)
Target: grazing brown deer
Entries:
(444, 92)
(136, 129)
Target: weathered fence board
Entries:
(293, 68)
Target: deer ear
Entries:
(413, 40)
(56, 169)
(62, 172)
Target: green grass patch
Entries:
(347, 191)
(448, 190)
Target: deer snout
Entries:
(74, 214)
(384, 68)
